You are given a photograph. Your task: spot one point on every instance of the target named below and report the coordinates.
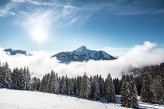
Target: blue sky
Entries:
(68, 24)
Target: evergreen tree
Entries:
(14, 78)
(125, 92)
(109, 89)
(50, 83)
(97, 89)
(158, 90)
(146, 89)
(116, 82)
(35, 84)
(44, 83)
(79, 80)
(129, 92)
(101, 85)
(56, 84)
(133, 95)
(26, 79)
(5, 76)
(20, 79)
(85, 89)
(70, 87)
(63, 86)
(75, 85)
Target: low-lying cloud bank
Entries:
(41, 63)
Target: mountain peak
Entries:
(81, 48)
(15, 52)
(82, 54)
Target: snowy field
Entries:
(14, 99)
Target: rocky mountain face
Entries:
(82, 54)
(16, 52)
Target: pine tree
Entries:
(63, 86)
(27, 79)
(129, 92)
(14, 78)
(124, 94)
(56, 84)
(50, 83)
(109, 89)
(85, 88)
(20, 79)
(158, 90)
(5, 76)
(69, 86)
(133, 95)
(44, 83)
(79, 79)
(97, 89)
(101, 85)
(35, 84)
(75, 86)
(116, 82)
(146, 89)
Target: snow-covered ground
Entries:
(14, 99)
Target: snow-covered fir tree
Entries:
(101, 85)
(79, 79)
(44, 83)
(147, 88)
(133, 94)
(70, 86)
(14, 78)
(158, 90)
(50, 85)
(56, 84)
(97, 89)
(5, 76)
(26, 79)
(63, 89)
(125, 92)
(85, 89)
(129, 92)
(35, 84)
(109, 89)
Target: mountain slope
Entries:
(82, 54)
(16, 52)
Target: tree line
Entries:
(149, 84)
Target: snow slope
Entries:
(14, 99)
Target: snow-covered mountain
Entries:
(82, 54)
(16, 52)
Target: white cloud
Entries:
(33, 2)
(41, 63)
(4, 11)
(116, 51)
(39, 3)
